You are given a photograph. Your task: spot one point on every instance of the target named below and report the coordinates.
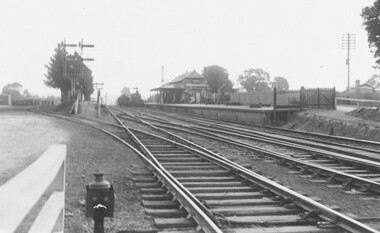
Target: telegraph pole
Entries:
(72, 79)
(98, 86)
(81, 46)
(162, 75)
(348, 42)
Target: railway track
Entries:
(356, 176)
(191, 189)
(241, 200)
(367, 145)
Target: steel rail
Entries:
(343, 177)
(326, 213)
(369, 163)
(330, 215)
(210, 123)
(360, 161)
(369, 142)
(155, 161)
(203, 221)
(363, 184)
(265, 135)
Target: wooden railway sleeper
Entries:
(347, 182)
(366, 188)
(287, 200)
(205, 203)
(303, 169)
(331, 177)
(277, 198)
(222, 219)
(316, 172)
(292, 165)
(325, 213)
(310, 214)
(265, 191)
(326, 225)
(282, 161)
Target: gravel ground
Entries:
(351, 205)
(89, 151)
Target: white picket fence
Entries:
(19, 195)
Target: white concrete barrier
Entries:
(21, 193)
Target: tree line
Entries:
(253, 80)
(75, 67)
(15, 90)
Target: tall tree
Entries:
(374, 81)
(254, 80)
(126, 91)
(12, 89)
(371, 22)
(281, 83)
(85, 83)
(74, 65)
(54, 76)
(26, 93)
(216, 76)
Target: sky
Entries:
(300, 40)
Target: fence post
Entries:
(274, 106)
(318, 96)
(302, 98)
(333, 101)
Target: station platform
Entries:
(245, 114)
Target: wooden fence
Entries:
(32, 102)
(318, 98)
(303, 98)
(46, 176)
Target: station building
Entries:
(189, 87)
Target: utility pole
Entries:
(81, 46)
(98, 86)
(71, 77)
(162, 75)
(348, 42)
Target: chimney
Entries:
(162, 75)
(357, 83)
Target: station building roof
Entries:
(191, 75)
(170, 87)
(167, 87)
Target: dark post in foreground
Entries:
(274, 122)
(100, 201)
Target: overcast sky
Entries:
(296, 39)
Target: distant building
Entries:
(189, 87)
(224, 93)
(5, 100)
(361, 91)
(361, 88)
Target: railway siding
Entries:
(181, 158)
